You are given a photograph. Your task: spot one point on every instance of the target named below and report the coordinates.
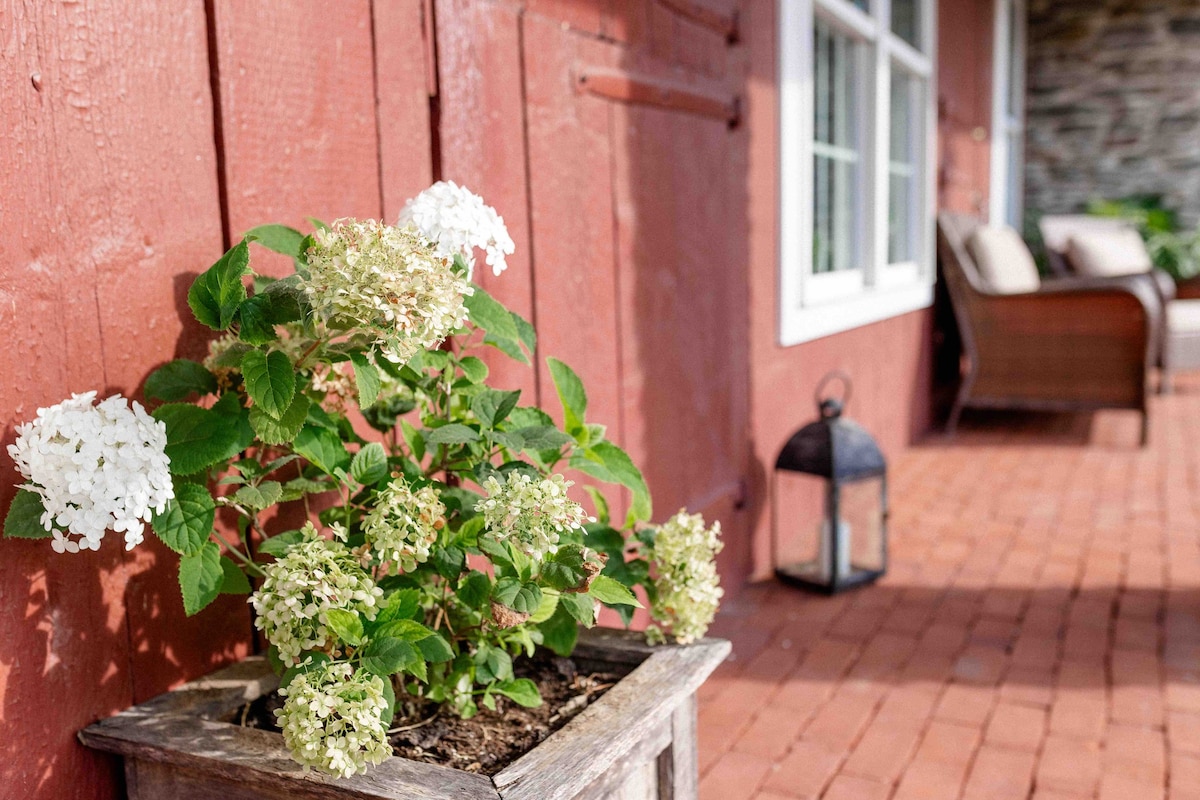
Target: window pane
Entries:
(906, 21)
(904, 168)
(837, 168)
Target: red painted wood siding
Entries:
(136, 138)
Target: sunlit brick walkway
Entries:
(1038, 634)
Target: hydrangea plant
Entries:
(443, 538)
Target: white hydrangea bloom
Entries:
(332, 719)
(687, 589)
(457, 221)
(531, 512)
(404, 524)
(387, 280)
(95, 467)
(313, 577)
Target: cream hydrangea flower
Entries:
(299, 589)
(687, 588)
(531, 512)
(457, 221)
(388, 281)
(404, 524)
(95, 467)
(332, 719)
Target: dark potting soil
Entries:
(489, 741)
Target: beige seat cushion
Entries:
(1183, 316)
(1104, 254)
(1005, 263)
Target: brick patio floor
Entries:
(1038, 634)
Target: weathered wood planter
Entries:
(636, 742)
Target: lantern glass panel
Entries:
(861, 511)
(801, 509)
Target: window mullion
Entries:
(878, 150)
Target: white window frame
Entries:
(817, 305)
(1006, 127)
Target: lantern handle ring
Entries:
(830, 406)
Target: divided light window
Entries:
(856, 160)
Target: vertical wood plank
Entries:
(298, 111)
(107, 170)
(678, 765)
(483, 146)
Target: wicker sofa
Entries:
(1069, 344)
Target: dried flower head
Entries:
(530, 512)
(404, 524)
(313, 577)
(388, 281)
(332, 719)
(687, 588)
(95, 467)
(457, 221)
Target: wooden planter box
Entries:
(636, 742)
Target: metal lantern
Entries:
(839, 461)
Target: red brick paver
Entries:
(1037, 636)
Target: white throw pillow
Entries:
(1104, 254)
(1005, 263)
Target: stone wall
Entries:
(1113, 103)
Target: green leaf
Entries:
(491, 406)
(512, 441)
(309, 661)
(521, 691)
(346, 625)
(414, 439)
(510, 347)
(407, 629)
(24, 518)
(581, 608)
(388, 714)
(196, 437)
(264, 495)
(435, 649)
(400, 604)
(610, 463)
(522, 597)
(561, 631)
(388, 655)
(525, 331)
(322, 447)
(284, 429)
(454, 433)
(546, 607)
(448, 561)
(279, 238)
(474, 369)
(570, 393)
(564, 569)
(218, 291)
(279, 544)
(285, 300)
(187, 522)
(366, 378)
(607, 590)
(270, 380)
(486, 313)
(176, 379)
(474, 589)
(254, 323)
(544, 437)
(369, 465)
(491, 664)
(234, 581)
(599, 501)
(201, 577)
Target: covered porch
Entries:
(1036, 636)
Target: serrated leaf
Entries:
(435, 649)
(521, 691)
(525, 331)
(561, 631)
(474, 369)
(388, 714)
(265, 495)
(400, 604)
(196, 437)
(546, 608)
(607, 590)
(407, 629)
(24, 517)
(388, 655)
(491, 664)
(369, 465)
(454, 433)
(512, 441)
(254, 323)
(322, 447)
(366, 378)
(187, 522)
(491, 406)
(600, 502)
(284, 429)
(581, 607)
(201, 577)
(522, 597)
(279, 544)
(346, 625)
(279, 238)
(544, 437)
(486, 313)
(610, 463)
(234, 581)
(414, 440)
(270, 380)
(177, 379)
(217, 292)
(448, 561)
(564, 569)
(570, 393)
(475, 589)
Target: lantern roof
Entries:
(833, 447)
